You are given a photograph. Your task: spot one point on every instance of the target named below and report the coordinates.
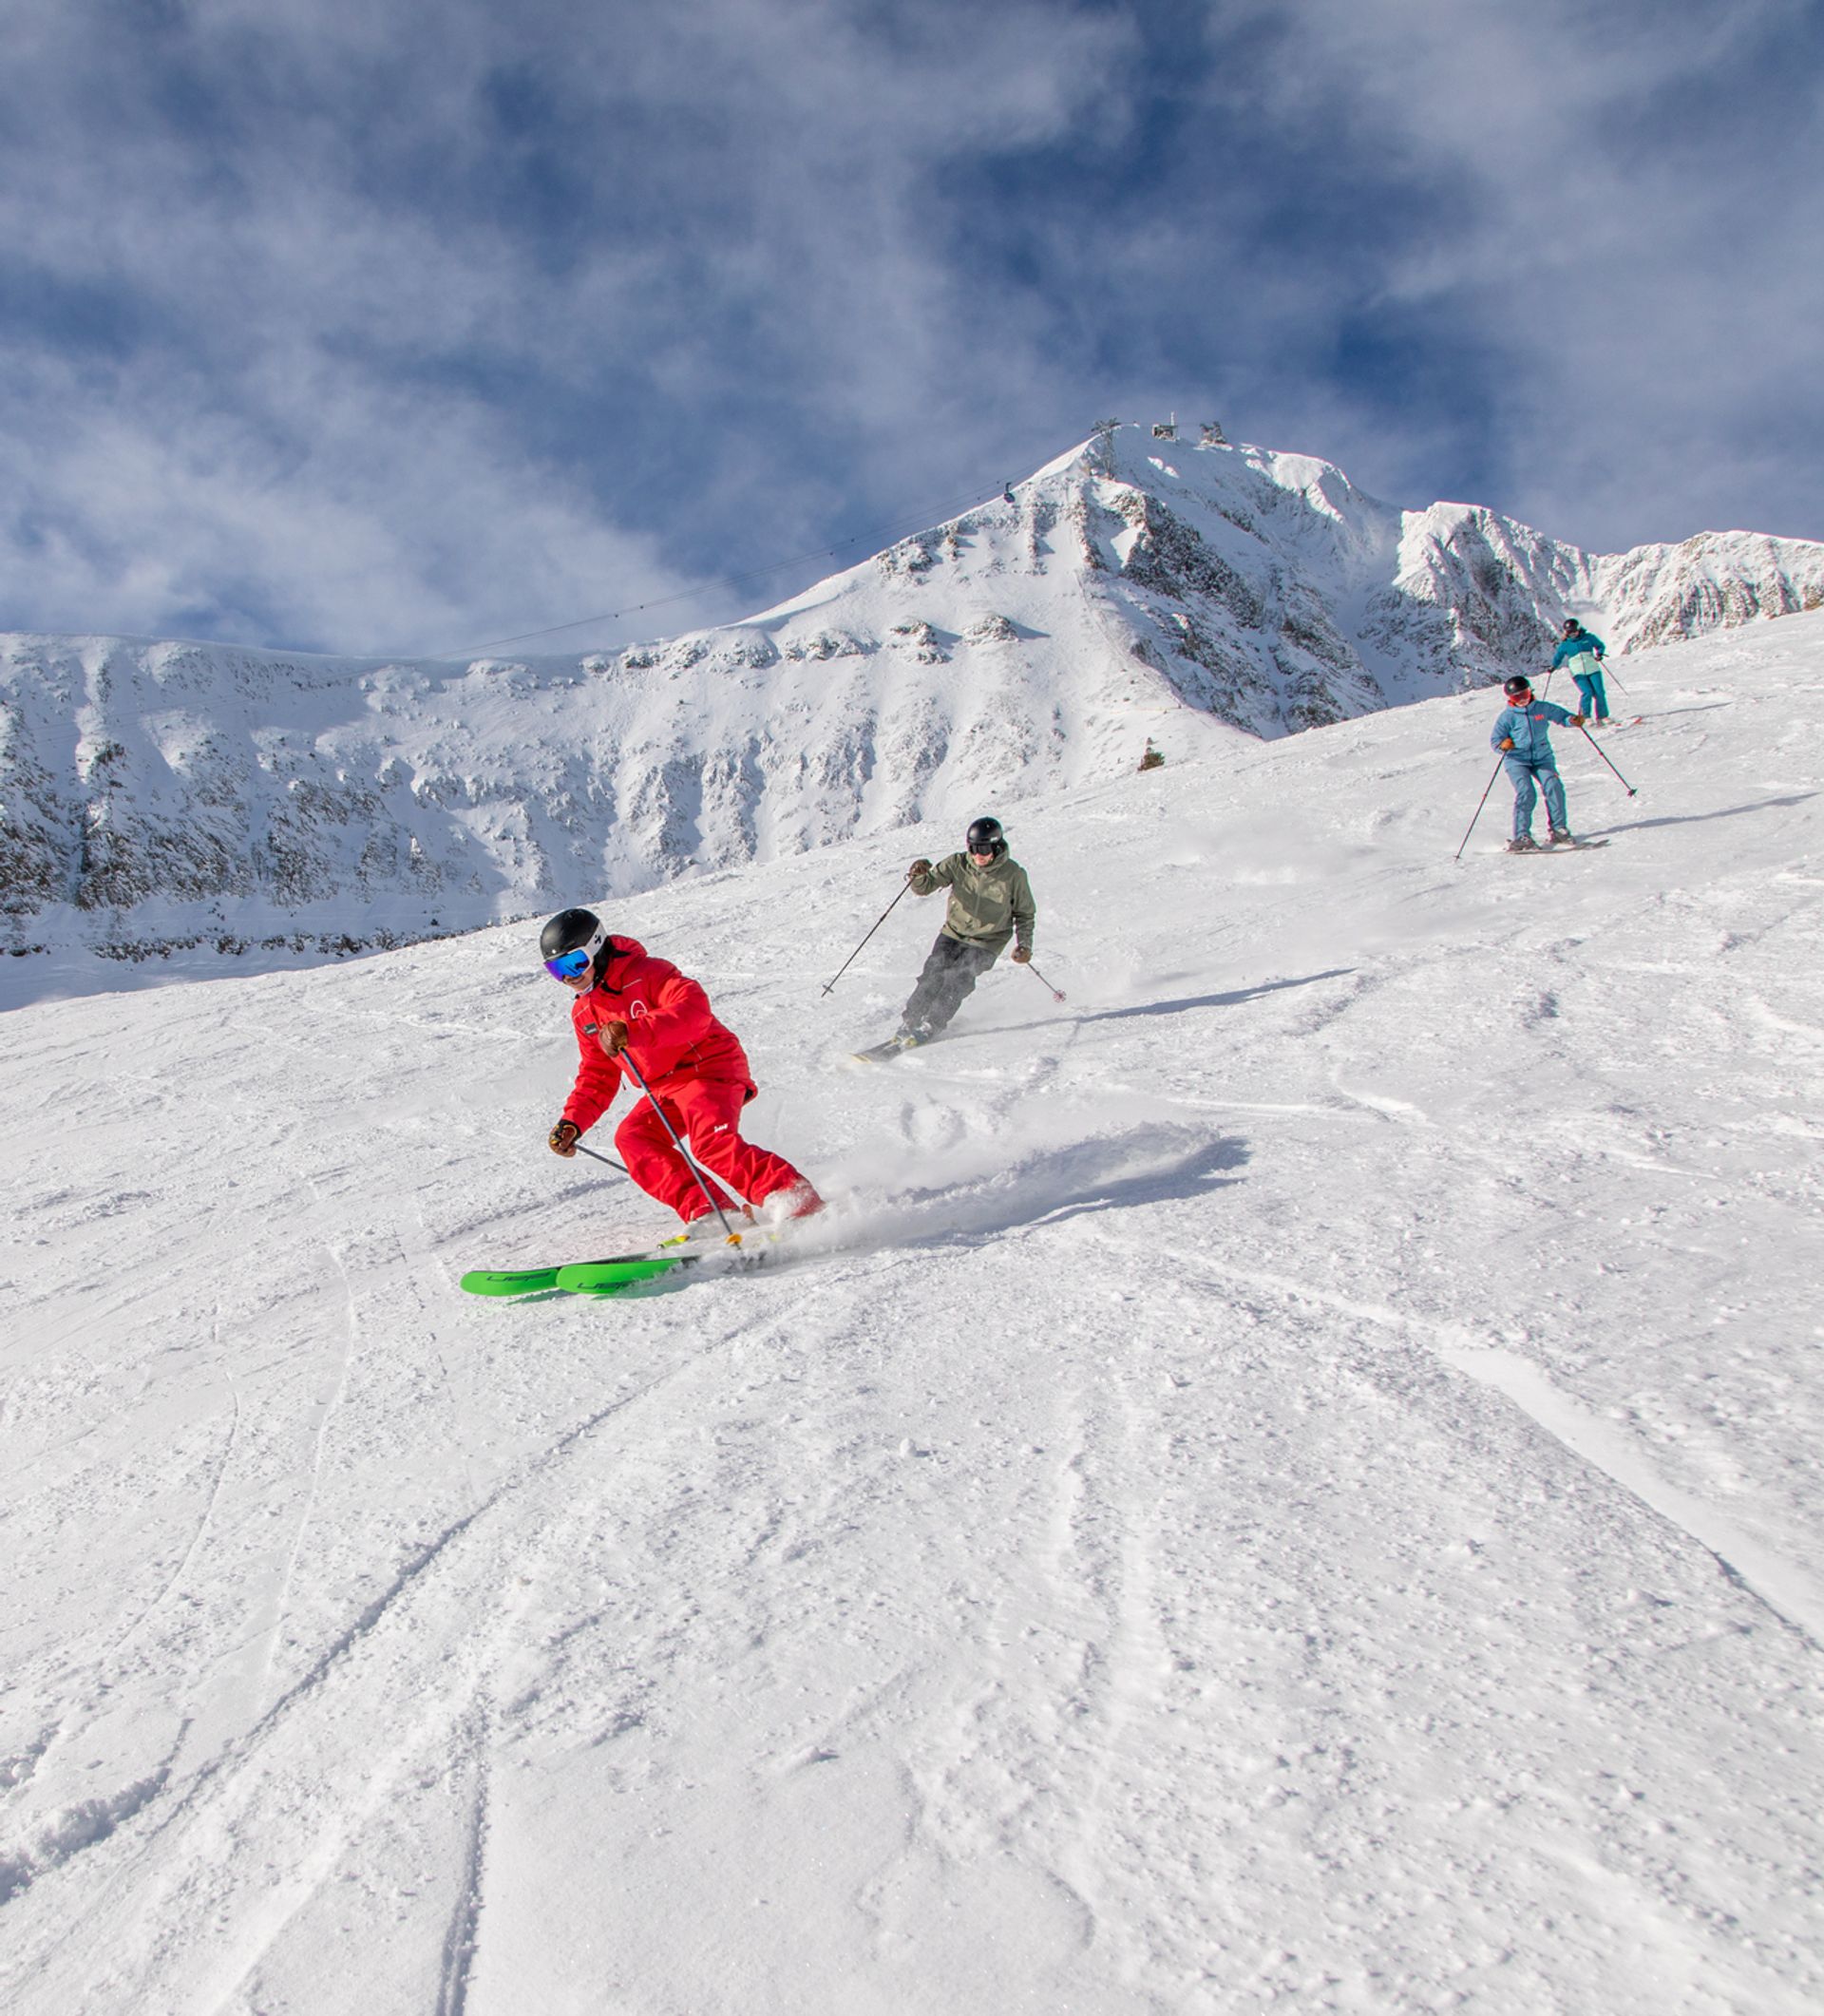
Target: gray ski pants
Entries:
(951, 970)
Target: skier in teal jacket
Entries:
(1521, 734)
(1583, 650)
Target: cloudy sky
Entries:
(402, 325)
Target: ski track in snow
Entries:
(1289, 1480)
(1789, 1590)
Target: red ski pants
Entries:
(707, 1113)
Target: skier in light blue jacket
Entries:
(1520, 734)
(1583, 650)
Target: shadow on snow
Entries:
(1729, 812)
(1147, 1166)
(1186, 1005)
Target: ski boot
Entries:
(798, 1199)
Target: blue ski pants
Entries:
(1595, 694)
(1528, 779)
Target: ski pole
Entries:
(856, 953)
(1486, 790)
(1603, 753)
(609, 1159)
(640, 1079)
(1057, 995)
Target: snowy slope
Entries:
(162, 796)
(1293, 1484)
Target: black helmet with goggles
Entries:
(572, 942)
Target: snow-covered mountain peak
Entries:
(1136, 592)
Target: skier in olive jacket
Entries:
(991, 901)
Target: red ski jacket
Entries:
(672, 1033)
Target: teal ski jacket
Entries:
(1574, 647)
(1528, 726)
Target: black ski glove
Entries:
(564, 1136)
(918, 868)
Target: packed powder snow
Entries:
(1290, 1482)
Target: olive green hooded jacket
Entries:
(987, 905)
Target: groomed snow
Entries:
(1292, 1484)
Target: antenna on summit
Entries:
(1166, 430)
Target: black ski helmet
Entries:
(1515, 687)
(985, 837)
(574, 931)
(1571, 626)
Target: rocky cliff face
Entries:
(1280, 596)
(163, 794)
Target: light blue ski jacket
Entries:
(1574, 647)
(1528, 725)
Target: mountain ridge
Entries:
(157, 795)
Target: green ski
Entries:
(604, 1277)
(623, 1270)
(598, 1277)
(546, 1281)
(521, 1280)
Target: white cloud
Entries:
(381, 326)
(1635, 231)
(346, 515)
(303, 258)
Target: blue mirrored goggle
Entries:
(569, 965)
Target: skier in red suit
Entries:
(630, 1005)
